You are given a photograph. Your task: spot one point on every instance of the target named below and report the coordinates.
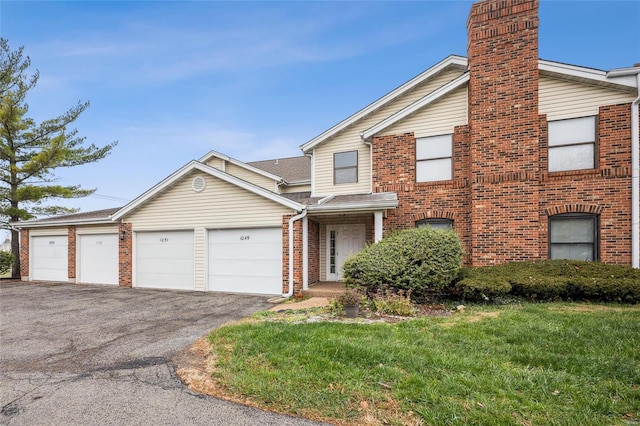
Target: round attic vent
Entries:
(198, 183)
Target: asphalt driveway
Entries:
(80, 354)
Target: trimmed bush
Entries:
(6, 260)
(546, 280)
(481, 284)
(424, 261)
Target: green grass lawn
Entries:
(535, 364)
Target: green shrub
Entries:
(394, 304)
(421, 260)
(6, 260)
(481, 284)
(546, 280)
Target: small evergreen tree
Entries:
(30, 151)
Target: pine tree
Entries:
(30, 152)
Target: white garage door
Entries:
(49, 258)
(246, 260)
(165, 260)
(98, 258)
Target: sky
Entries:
(172, 80)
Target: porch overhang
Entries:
(341, 204)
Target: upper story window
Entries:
(434, 158)
(573, 236)
(435, 223)
(572, 144)
(345, 167)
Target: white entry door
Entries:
(246, 260)
(164, 259)
(98, 258)
(49, 258)
(342, 242)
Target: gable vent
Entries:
(198, 183)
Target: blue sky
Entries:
(254, 80)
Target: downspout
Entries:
(291, 256)
(635, 179)
(368, 143)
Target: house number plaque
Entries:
(244, 238)
(164, 239)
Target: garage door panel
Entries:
(165, 260)
(98, 256)
(246, 260)
(49, 258)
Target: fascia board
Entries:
(364, 207)
(420, 103)
(239, 163)
(452, 60)
(598, 77)
(195, 165)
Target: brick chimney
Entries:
(504, 130)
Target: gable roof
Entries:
(196, 165)
(452, 61)
(207, 157)
(420, 103)
(292, 169)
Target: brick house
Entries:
(524, 158)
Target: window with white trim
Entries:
(573, 236)
(435, 223)
(345, 167)
(434, 158)
(572, 144)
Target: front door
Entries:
(342, 242)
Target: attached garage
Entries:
(98, 258)
(246, 260)
(164, 259)
(49, 256)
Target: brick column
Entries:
(24, 254)
(504, 130)
(125, 255)
(71, 257)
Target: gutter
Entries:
(633, 72)
(29, 225)
(635, 178)
(291, 256)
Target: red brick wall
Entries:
(297, 255)
(313, 251)
(71, 257)
(394, 170)
(501, 194)
(605, 191)
(125, 256)
(24, 254)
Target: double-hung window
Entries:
(572, 144)
(573, 236)
(435, 223)
(434, 158)
(345, 167)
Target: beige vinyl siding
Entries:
(219, 205)
(38, 232)
(200, 271)
(349, 140)
(297, 188)
(561, 99)
(439, 118)
(249, 176)
(102, 229)
(217, 163)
